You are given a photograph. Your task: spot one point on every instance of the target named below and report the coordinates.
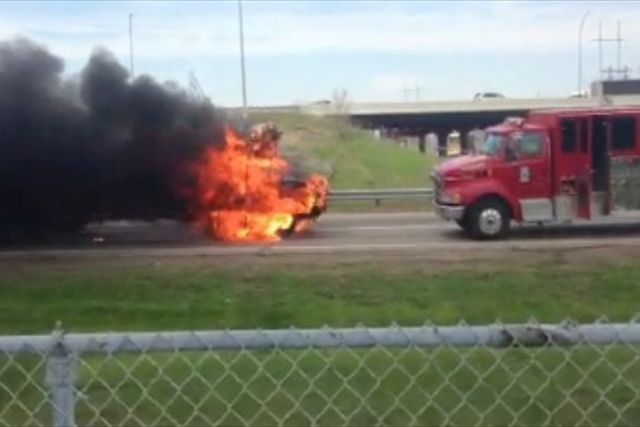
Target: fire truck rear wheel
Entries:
(489, 219)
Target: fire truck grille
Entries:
(437, 185)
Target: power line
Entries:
(131, 71)
(242, 67)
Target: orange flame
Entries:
(242, 195)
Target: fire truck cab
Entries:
(552, 166)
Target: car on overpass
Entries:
(487, 95)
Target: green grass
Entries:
(337, 387)
(444, 386)
(196, 295)
(352, 157)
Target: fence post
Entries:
(60, 378)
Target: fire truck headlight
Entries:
(451, 197)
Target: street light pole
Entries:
(242, 69)
(131, 45)
(582, 21)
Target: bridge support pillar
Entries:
(442, 142)
(464, 139)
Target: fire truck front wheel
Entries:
(488, 219)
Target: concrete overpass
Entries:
(442, 117)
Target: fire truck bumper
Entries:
(449, 212)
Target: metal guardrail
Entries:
(381, 194)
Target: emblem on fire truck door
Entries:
(525, 174)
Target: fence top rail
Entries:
(495, 336)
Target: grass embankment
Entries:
(192, 294)
(352, 157)
(563, 386)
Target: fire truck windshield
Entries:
(492, 144)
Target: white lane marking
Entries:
(382, 227)
(212, 251)
(368, 215)
(464, 245)
(293, 249)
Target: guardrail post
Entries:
(60, 378)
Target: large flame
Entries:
(243, 195)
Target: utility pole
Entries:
(405, 92)
(618, 40)
(600, 40)
(131, 71)
(245, 114)
(582, 21)
(418, 88)
(619, 44)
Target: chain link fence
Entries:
(533, 374)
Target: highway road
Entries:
(335, 234)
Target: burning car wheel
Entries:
(292, 228)
(488, 219)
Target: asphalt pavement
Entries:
(355, 233)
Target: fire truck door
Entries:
(531, 182)
(584, 172)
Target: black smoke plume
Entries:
(93, 146)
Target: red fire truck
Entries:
(552, 166)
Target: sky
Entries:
(302, 51)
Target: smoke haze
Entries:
(93, 146)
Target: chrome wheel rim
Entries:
(490, 222)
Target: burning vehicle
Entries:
(247, 191)
(102, 146)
